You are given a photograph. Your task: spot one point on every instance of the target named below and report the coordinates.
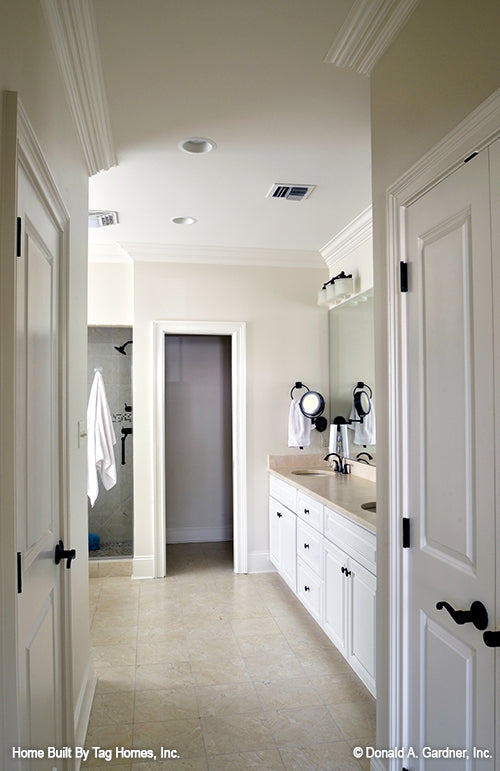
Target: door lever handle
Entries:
(64, 554)
(492, 639)
(477, 615)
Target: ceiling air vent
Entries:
(290, 192)
(101, 219)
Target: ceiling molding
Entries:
(354, 235)
(223, 255)
(368, 31)
(73, 32)
(112, 252)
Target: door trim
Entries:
(21, 149)
(473, 134)
(237, 331)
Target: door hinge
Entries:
(19, 573)
(406, 533)
(403, 275)
(18, 237)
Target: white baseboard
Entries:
(143, 567)
(83, 707)
(259, 562)
(199, 534)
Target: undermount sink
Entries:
(312, 472)
(369, 506)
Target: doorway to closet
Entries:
(198, 441)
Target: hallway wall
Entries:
(443, 64)
(28, 66)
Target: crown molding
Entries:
(73, 33)
(223, 255)
(356, 233)
(368, 31)
(112, 252)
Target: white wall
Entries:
(27, 65)
(287, 340)
(110, 294)
(442, 66)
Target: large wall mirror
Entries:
(352, 359)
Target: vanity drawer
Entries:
(354, 539)
(310, 590)
(310, 510)
(310, 547)
(283, 492)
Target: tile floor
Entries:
(228, 670)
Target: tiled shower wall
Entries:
(111, 518)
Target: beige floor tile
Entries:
(106, 634)
(257, 644)
(165, 704)
(273, 666)
(321, 757)
(251, 626)
(151, 629)
(163, 676)
(364, 762)
(115, 679)
(302, 725)
(112, 708)
(174, 649)
(184, 736)
(355, 719)
(286, 694)
(107, 738)
(340, 689)
(204, 649)
(219, 672)
(179, 764)
(260, 760)
(114, 655)
(323, 661)
(207, 629)
(227, 699)
(236, 733)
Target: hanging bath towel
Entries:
(100, 440)
(365, 433)
(299, 427)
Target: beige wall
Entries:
(111, 294)
(287, 340)
(27, 65)
(444, 63)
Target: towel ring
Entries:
(362, 406)
(298, 384)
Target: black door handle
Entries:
(477, 615)
(64, 554)
(492, 639)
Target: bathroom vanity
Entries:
(323, 544)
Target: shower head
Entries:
(121, 348)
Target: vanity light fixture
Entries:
(183, 220)
(197, 145)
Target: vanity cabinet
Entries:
(329, 562)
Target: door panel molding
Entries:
(477, 131)
(21, 151)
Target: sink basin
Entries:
(369, 506)
(312, 472)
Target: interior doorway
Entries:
(198, 439)
(235, 332)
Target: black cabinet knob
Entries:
(306, 511)
(307, 589)
(278, 514)
(306, 546)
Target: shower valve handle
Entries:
(64, 554)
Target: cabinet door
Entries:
(335, 610)
(288, 547)
(275, 516)
(362, 596)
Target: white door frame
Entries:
(473, 134)
(21, 149)
(237, 330)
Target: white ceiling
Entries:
(251, 76)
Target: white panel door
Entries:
(450, 467)
(39, 640)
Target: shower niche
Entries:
(111, 519)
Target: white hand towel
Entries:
(365, 433)
(100, 440)
(299, 427)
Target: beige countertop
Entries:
(343, 492)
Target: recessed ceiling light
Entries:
(183, 220)
(197, 145)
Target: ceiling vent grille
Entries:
(290, 192)
(101, 219)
